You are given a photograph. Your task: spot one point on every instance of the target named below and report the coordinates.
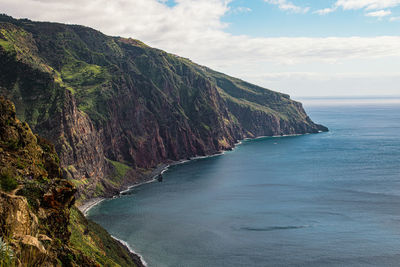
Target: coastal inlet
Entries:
(328, 199)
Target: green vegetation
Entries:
(96, 69)
(7, 46)
(99, 190)
(6, 254)
(223, 143)
(146, 105)
(95, 242)
(89, 83)
(205, 126)
(8, 181)
(68, 238)
(13, 144)
(79, 183)
(33, 191)
(137, 97)
(120, 169)
(16, 41)
(80, 74)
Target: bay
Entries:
(328, 199)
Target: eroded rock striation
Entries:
(115, 107)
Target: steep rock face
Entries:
(51, 110)
(35, 211)
(115, 107)
(23, 226)
(257, 123)
(35, 206)
(78, 143)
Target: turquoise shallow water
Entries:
(330, 199)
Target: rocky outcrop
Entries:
(18, 222)
(257, 123)
(78, 144)
(115, 107)
(35, 205)
(35, 211)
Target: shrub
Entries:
(33, 191)
(7, 181)
(6, 254)
(13, 145)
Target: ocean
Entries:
(328, 199)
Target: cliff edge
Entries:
(39, 224)
(116, 108)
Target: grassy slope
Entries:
(90, 64)
(95, 242)
(98, 69)
(90, 61)
(88, 69)
(30, 163)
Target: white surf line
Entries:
(85, 208)
(240, 142)
(131, 250)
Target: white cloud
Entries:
(194, 29)
(379, 13)
(325, 11)
(300, 84)
(323, 76)
(288, 6)
(241, 9)
(394, 19)
(366, 4)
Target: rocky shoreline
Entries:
(84, 208)
(137, 257)
(149, 178)
(114, 108)
(90, 203)
(152, 177)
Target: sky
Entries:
(299, 47)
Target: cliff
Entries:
(116, 108)
(39, 226)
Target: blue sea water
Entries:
(329, 199)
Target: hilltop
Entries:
(116, 108)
